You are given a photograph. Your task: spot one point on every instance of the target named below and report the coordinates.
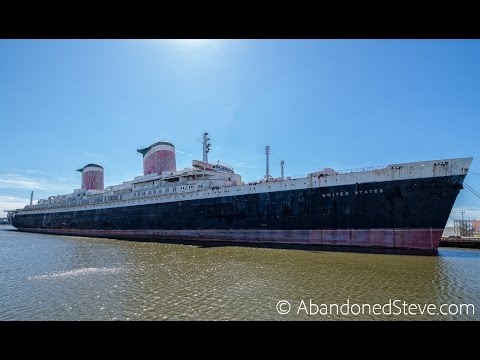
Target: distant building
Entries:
(448, 231)
(476, 225)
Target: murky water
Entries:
(45, 277)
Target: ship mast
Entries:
(206, 147)
(31, 198)
(267, 154)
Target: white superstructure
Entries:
(206, 180)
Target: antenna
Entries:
(267, 153)
(282, 163)
(31, 198)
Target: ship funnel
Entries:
(158, 158)
(92, 177)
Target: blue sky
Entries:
(317, 103)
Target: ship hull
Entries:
(402, 214)
(424, 240)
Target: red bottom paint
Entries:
(422, 239)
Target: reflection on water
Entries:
(45, 277)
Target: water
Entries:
(45, 277)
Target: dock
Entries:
(472, 242)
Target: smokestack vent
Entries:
(158, 157)
(92, 177)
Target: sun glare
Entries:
(192, 43)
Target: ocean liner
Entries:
(398, 206)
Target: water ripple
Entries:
(76, 272)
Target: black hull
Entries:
(393, 214)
